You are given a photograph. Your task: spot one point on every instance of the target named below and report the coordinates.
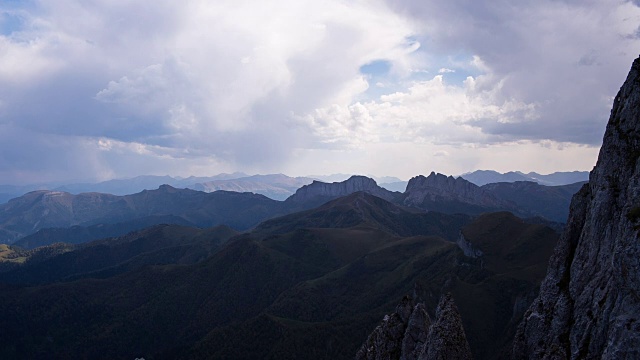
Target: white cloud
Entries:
(566, 57)
(428, 111)
(245, 85)
(217, 78)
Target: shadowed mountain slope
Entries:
(46, 209)
(364, 209)
(550, 202)
(80, 234)
(160, 244)
(297, 292)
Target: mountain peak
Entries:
(166, 188)
(447, 339)
(437, 180)
(448, 194)
(321, 192)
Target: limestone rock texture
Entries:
(409, 334)
(337, 189)
(589, 302)
(386, 341)
(446, 339)
(440, 192)
(415, 336)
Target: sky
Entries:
(99, 89)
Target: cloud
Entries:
(204, 86)
(428, 111)
(565, 57)
(219, 79)
(445, 71)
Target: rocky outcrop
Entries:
(415, 336)
(385, 342)
(407, 334)
(319, 192)
(446, 340)
(589, 302)
(443, 193)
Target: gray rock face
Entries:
(385, 342)
(448, 194)
(589, 302)
(407, 334)
(415, 336)
(321, 190)
(446, 339)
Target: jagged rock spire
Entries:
(415, 336)
(407, 334)
(385, 342)
(446, 339)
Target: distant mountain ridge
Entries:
(274, 186)
(318, 193)
(46, 210)
(483, 177)
(550, 202)
(50, 209)
(438, 192)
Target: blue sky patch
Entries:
(376, 68)
(9, 23)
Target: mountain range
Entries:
(44, 217)
(483, 177)
(274, 186)
(307, 285)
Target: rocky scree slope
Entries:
(589, 303)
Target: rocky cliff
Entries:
(446, 339)
(408, 334)
(320, 192)
(589, 303)
(448, 194)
